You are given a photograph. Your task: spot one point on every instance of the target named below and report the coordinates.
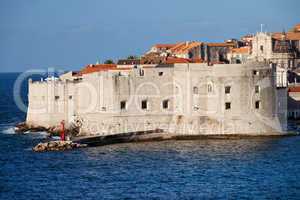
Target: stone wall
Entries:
(183, 99)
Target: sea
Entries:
(257, 168)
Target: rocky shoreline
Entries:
(57, 146)
(141, 136)
(23, 128)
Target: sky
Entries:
(68, 34)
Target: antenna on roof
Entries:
(261, 27)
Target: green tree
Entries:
(132, 57)
(109, 61)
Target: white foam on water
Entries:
(55, 137)
(10, 130)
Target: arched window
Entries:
(195, 90)
(209, 88)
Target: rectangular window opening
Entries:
(165, 104)
(257, 104)
(227, 105)
(56, 98)
(255, 73)
(262, 48)
(144, 105)
(227, 89)
(160, 73)
(123, 105)
(256, 89)
(142, 73)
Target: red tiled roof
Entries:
(173, 60)
(97, 68)
(294, 89)
(241, 50)
(184, 47)
(297, 27)
(220, 44)
(289, 36)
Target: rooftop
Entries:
(289, 36)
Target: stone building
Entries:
(187, 50)
(182, 98)
(294, 102)
(280, 48)
(217, 52)
(239, 55)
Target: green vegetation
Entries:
(109, 61)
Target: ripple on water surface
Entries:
(255, 168)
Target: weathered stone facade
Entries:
(190, 99)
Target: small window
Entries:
(209, 88)
(255, 73)
(227, 89)
(103, 108)
(195, 90)
(257, 104)
(227, 105)
(144, 105)
(70, 97)
(123, 105)
(257, 89)
(165, 104)
(142, 73)
(56, 98)
(160, 73)
(261, 48)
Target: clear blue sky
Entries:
(67, 34)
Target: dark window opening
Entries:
(256, 89)
(209, 88)
(227, 89)
(123, 105)
(227, 105)
(165, 104)
(261, 47)
(160, 73)
(56, 97)
(70, 97)
(255, 72)
(144, 104)
(257, 104)
(195, 90)
(142, 73)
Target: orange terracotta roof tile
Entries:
(294, 89)
(241, 50)
(97, 68)
(297, 27)
(184, 47)
(173, 60)
(221, 44)
(289, 36)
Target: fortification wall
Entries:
(184, 99)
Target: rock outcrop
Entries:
(23, 127)
(57, 146)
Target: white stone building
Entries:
(183, 99)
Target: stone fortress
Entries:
(238, 87)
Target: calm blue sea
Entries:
(202, 169)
